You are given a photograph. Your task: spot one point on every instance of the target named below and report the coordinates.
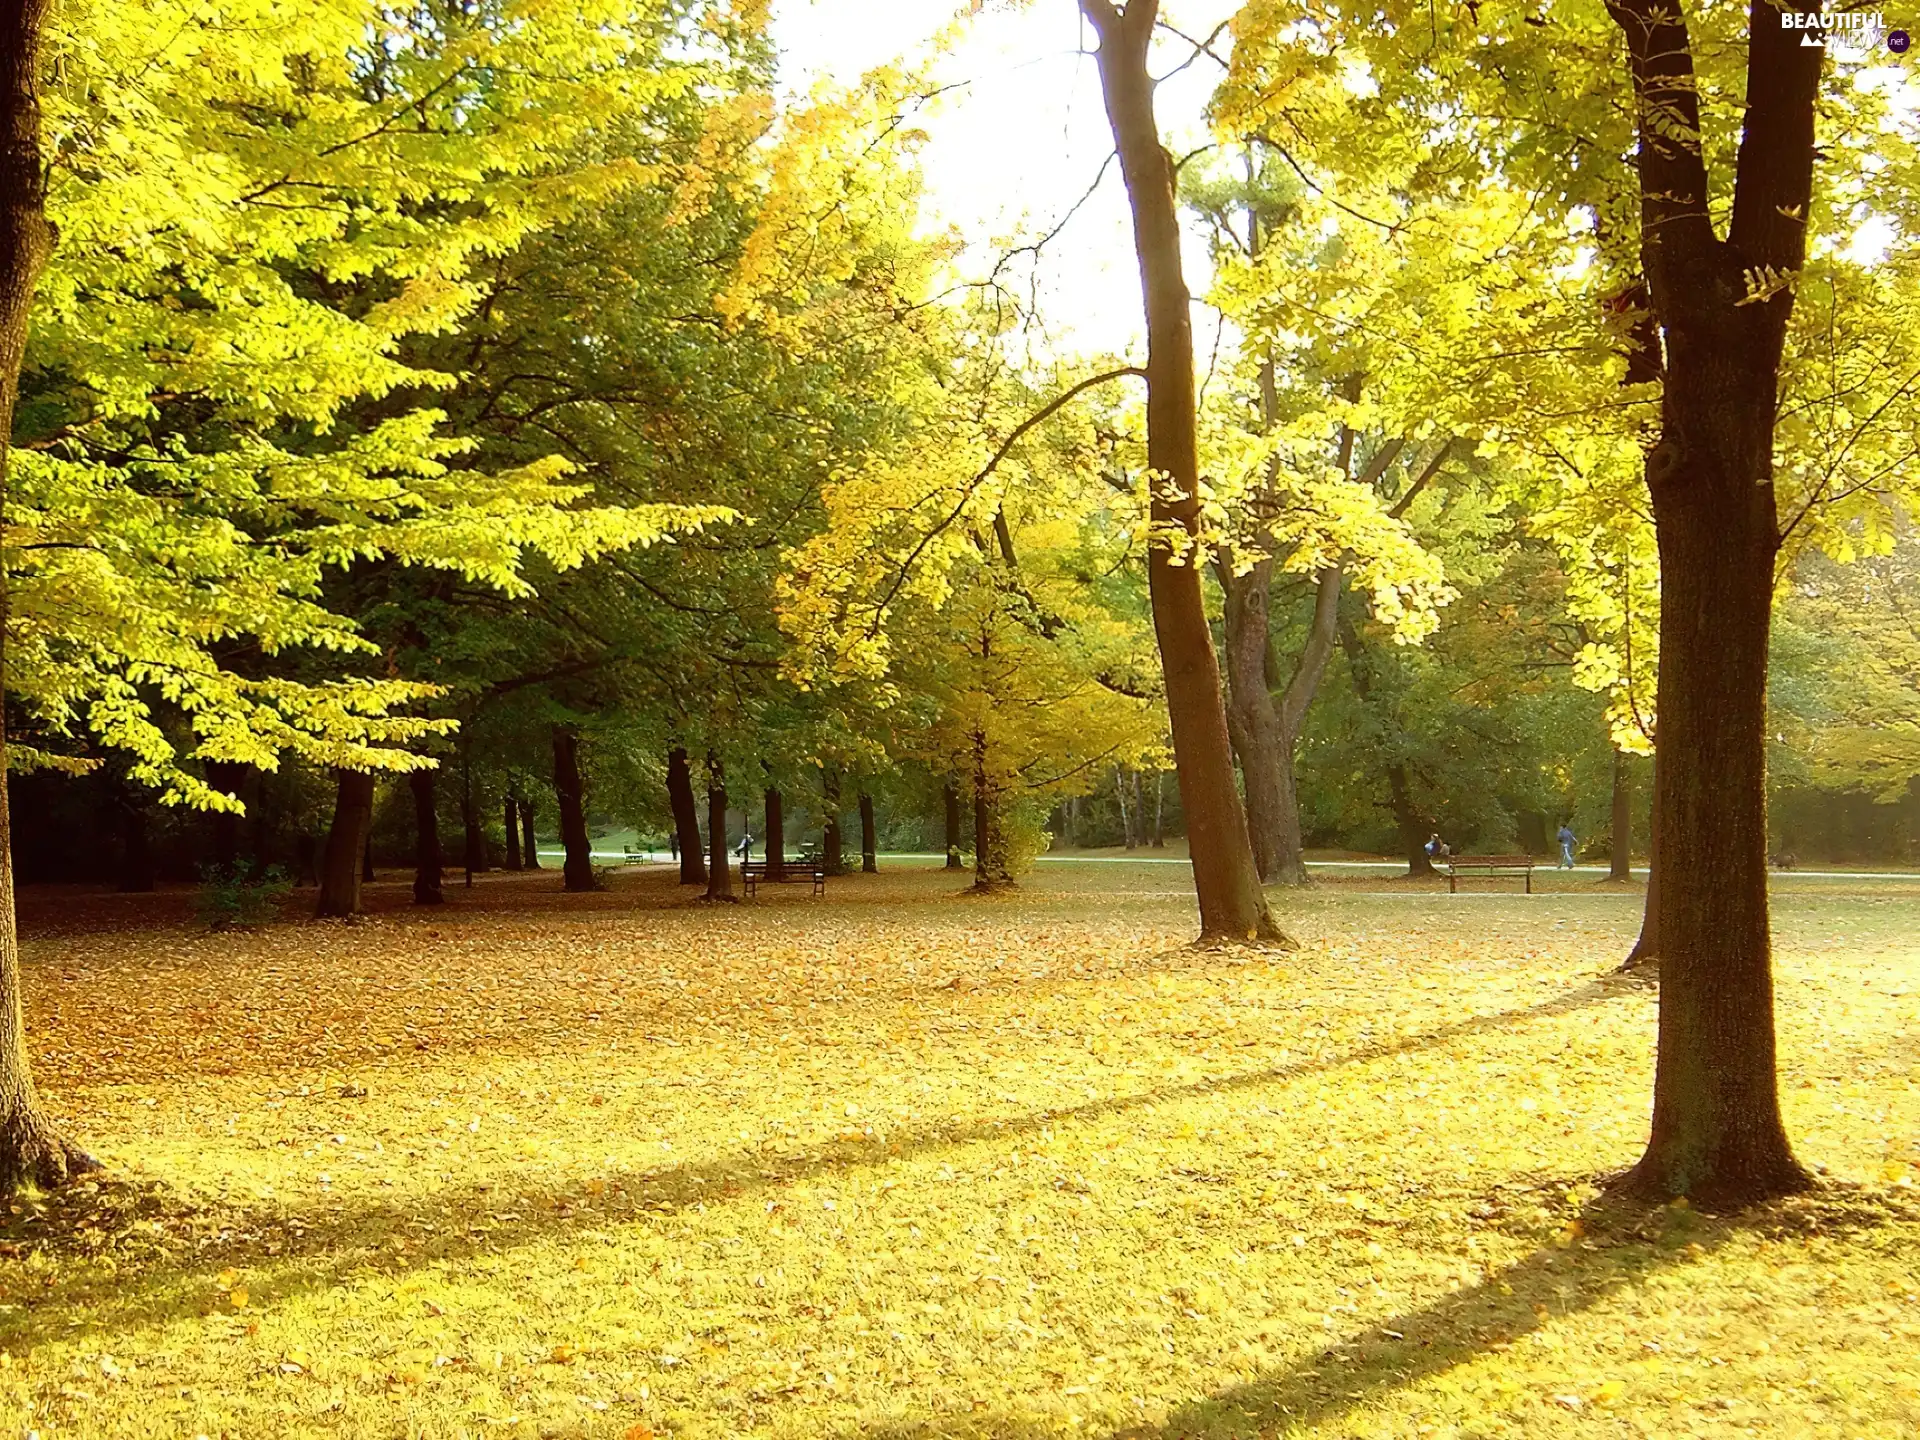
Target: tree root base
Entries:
(1651, 1183)
(32, 1152)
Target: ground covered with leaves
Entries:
(903, 1164)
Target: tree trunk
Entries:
(1717, 1135)
(1621, 840)
(529, 844)
(427, 859)
(719, 869)
(686, 818)
(341, 866)
(951, 796)
(1126, 813)
(1159, 809)
(1717, 1131)
(510, 830)
(831, 848)
(31, 1149)
(571, 795)
(473, 837)
(1232, 906)
(227, 776)
(1646, 949)
(776, 835)
(136, 854)
(869, 837)
(367, 875)
(1414, 828)
(990, 871)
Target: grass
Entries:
(898, 1164)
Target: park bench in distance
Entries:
(1489, 865)
(636, 856)
(753, 872)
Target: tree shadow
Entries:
(1615, 1245)
(167, 1247)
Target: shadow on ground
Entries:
(166, 1247)
(1617, 1245)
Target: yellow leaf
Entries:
(1608, 1393)
(237, 1298)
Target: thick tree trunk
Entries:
(427, 859)
(570, 793)
(31, 1149)
(1254, 723)
(1232, 906)
(719, 868)
(776, 840)
(869, 837)
(529, 844)
(341, 865)
(951, 796)
(990, 868)
(1266, 729)
(1621, 840)
(510, 832)
(686, 817)
(831, 849)
(1717, 1135)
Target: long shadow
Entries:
(1622, 1245)
(303, 1253)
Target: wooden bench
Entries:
(635, 856)
(753, 872)
(1489, 865)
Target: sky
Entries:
(1022, 138)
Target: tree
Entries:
(1795, 420)
(1723, 306)
(31, 1149)
(1232, 906)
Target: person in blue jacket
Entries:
(1565, 837)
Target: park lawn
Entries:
(898, 1164)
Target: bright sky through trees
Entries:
(1022, 137)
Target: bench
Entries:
(636, 856)
(753, 872)
(1489, 865)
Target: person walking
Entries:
(1565, 837)
(745, 848)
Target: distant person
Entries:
(745, 848)
(1437, 849)
(673, 844)
(1565, 837)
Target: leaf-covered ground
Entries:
(900, 1164)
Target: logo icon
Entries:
(1898, 41)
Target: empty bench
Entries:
(755, 872)
(1489, 865)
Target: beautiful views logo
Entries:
(1845, 29)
